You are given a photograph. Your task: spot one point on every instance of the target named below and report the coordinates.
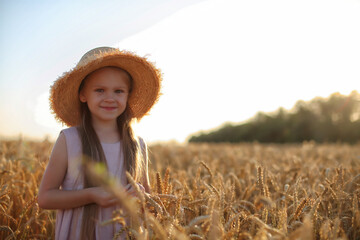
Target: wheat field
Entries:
(206, 191)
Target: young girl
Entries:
(98, 100)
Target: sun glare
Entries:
(43, 115)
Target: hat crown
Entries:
(93, 53)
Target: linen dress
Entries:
(68, 221)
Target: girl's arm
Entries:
(51, 197)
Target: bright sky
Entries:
(222, 60)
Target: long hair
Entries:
(93, 151)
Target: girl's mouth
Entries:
(109, 108)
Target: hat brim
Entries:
(64, 99)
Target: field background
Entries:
(210, 191)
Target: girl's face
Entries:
(106, 91)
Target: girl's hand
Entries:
(130, 190)
(102, 197)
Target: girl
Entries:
(98, 100)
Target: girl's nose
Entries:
(109, 98)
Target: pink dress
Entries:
(68, 221)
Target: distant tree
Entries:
(336, 118)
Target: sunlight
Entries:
(42, 114)
(226, 60)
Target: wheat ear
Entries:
(159, 183)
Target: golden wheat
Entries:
(207, 191)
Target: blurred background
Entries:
(224, 62)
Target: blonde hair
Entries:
(93, 151)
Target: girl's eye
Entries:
(99, 90)
(119, 91)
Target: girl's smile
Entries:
(109, 108)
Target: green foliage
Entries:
(332, 119)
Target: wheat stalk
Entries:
(208, 169)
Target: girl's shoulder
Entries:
(141, 140)
(142, 143)
(71, 135)
(70, 130)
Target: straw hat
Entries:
(64, 99)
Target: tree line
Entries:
(332, 119)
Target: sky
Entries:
(222, 60)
